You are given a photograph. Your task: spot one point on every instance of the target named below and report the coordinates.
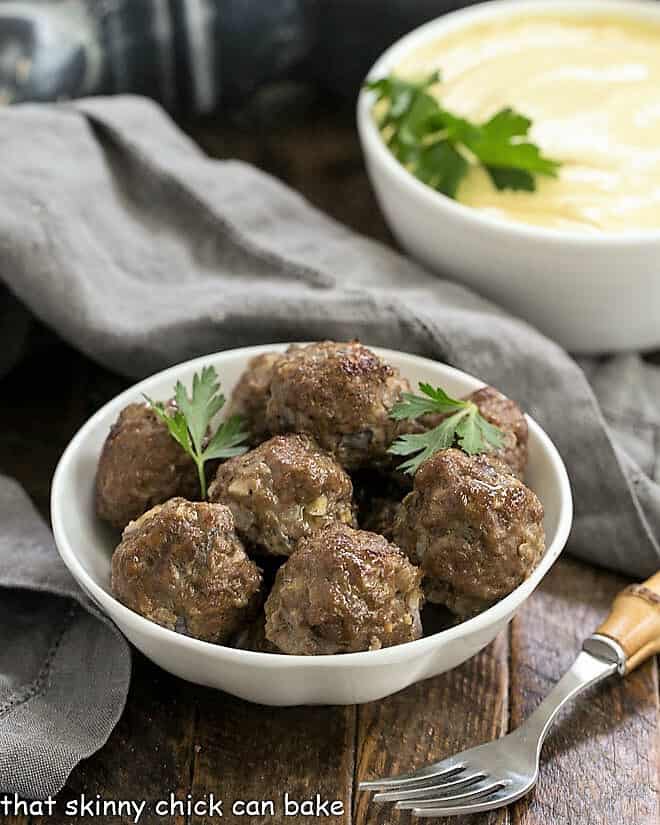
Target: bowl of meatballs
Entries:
(321, 523)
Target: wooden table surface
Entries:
(600, 764)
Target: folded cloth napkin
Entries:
(64, 668)
(119, 233)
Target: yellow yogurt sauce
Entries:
(590, 85)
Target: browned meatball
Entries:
(344, 590)
(182, 565)
(282, 490)
(251, 394)
(507, 415)
(473, 527)
(341, 394)
(503, 413)
(140, 466)
(254, 638)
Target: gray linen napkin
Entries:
(120, 234)
(64, 670)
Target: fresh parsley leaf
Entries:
(188, 422)
(499, 145)
(426, 444)
(227, 440)
(469, 435)
(490, 434)
(517, 179)
(206, 401)
(464, 426)
(438, 147)
(176, 423)
(434, 400)
(442, 167)
(507, 123)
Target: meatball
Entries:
(182, 565)
(341, 394)
(140, 466)
(282, 490)
(507, 415)
(344, 590)
(251, 394)
(503, 413)
(254, 638)
(473, 527)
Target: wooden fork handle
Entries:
(634, 621)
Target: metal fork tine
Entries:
(430, 791)
(419, 778)
(499, 799)
(453, 801)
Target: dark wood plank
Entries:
(148, 755)
(429, 721)
(251, 752)
(600, 762)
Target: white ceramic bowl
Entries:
(86, 546)
(591, 293)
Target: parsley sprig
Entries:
(463, 426)
(438, 147)
(188, 422)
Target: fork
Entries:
(497, 773)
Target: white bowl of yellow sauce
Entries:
(580, 256)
